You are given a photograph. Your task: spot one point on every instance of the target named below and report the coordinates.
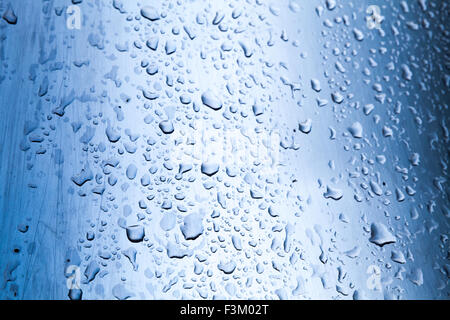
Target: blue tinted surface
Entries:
(224, 149)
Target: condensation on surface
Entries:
(224, 149)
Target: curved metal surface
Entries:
(224, 149)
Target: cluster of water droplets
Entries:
(229, 149)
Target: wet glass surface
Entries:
(224, 149)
